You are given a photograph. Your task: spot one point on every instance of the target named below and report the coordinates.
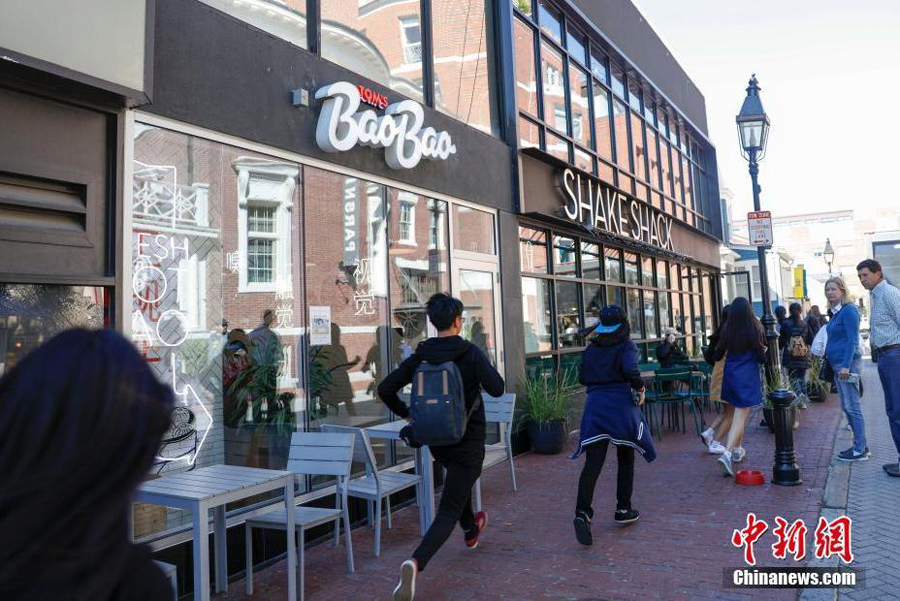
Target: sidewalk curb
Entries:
(834, 505)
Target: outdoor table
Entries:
(212, 487)
(391, 431)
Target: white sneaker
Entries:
(725, 460)
(406, 588)
(707, 436)
(738, 455)
(716, 448)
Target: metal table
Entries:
(212, 487)
(424, 467)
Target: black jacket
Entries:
(477, 374)
(607, 362)
(789, 329)
(669, 355)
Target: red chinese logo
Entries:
(791, 539)
(833, 538)
(748, 535)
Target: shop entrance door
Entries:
(477, 285)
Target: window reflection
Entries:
(593, 303)
(526, 82)
(631, 269)
(550, 20)
(581, 118)
(533, 250)
(635, 309)
(613, 264)
(591, 262)
(601, 122)
(650, 314)
(285, 19)
(567, 314)
(564, 256)
(529, 134)
(623, 142)
(536, 314)
(473, 230)
(640, 157)
(555, 109)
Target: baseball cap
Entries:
(611, 319)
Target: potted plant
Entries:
(778, 381)
(817, 388)
(270, 415)
(546, 410)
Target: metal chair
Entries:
(498, 410)
(664, 393)
(376, 485)
(320, 454)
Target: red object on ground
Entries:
(750, 477)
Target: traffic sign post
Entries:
(759, 227)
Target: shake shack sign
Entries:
(596, 204)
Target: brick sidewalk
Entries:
(678, 549)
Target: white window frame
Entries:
(407, 200)
(409, 52)
(283, 203)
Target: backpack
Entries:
(437, 404)
(797, 347)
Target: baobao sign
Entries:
(399, 131)
(592, 202)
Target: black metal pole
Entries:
(785, 472)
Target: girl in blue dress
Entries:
(742, 345)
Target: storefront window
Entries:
(476, 291)
(631, 269)
(568, 320)
(664, 167)
(618, 79)
(650, 313)
(564, 256)
(473, 230)
(532, 250)
(464, 79)
(384, 43)
(555, 109)
(526, 82)
(584, 161)
(536, 314)
(579, 92)
(529, 134)
(662, 273)
(591, 262)
(640, 157)
(576, 44)
(613, 264)
(593, 303)
(557, 146)
(543, 366)
(623, 142)
(653, 157)
(598, 66)
(31, 314)
(635, 308)
(285, 19)
(664, 320)
(647, 271)
(615, 295)
(550, 19)
(601, 122)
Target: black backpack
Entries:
(437, 404)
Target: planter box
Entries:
(547, 438)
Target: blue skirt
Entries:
(610, 414)
(741, 382)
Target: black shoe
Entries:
(851, 455)
(626, 516)
(892, 469)
(583, 529)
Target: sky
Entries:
(830, 77)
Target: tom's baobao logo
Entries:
(371, 97)
(399, 131)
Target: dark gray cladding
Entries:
(216, 72)
(625, 27)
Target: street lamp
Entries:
(828, 254)
(753, 131)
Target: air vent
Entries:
(38, 205)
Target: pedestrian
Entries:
(667, 352)
(713, 436)
(742, 347)
(884, 335)
(615, 392)
(842, 351)
(780, 316)
(462, 460)
(815, 320)
(796, 339)
(81, 420)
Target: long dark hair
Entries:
(723, 319)
(81, 419)
(796, 313)
(742, 331)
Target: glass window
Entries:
(529, 134)
(613, 264)
(605, 172)
(593, 303)
(555, 111)
(591, 263)
(664, 321)
(31, 314)
(686, 174)
(473, 230)
(650, 314)
(523, 5)
(666, 172)
(581, 117)
(635, 309)
(634, 97)
(623, 143)
(570, 364)
(384, 45)
(626, 183)
(584, 161)
(598, 65)
(618, 79)
(575, 44)
(647, 271)
(464, 76)
(641, 192)
(653, 158)
(649, 112)
(631, 269)
(698, 314)
(415, 274)
(601, 122)
(526, 82)
(543, 366)
(533, 250)
(662, 273)
(550, 20)
(677, 318)
(640, 157)
(536, 314)
(564, 256)
(285, 19)
(676, 173)
(557, 146)
(615, 295)
(567, 313)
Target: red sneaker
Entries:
(481, 521)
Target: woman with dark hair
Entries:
(81, 419)
(615, 392)
(716, 432)
(796, 339)
(742, 347)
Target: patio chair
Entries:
(376, 485)
(672, 386)
(498, 410)
(319, 454)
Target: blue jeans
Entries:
(889, 372)
(849, 395)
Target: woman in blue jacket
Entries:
(842, 351)
(615, 391)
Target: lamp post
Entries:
(753, 131)
(828, 254)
